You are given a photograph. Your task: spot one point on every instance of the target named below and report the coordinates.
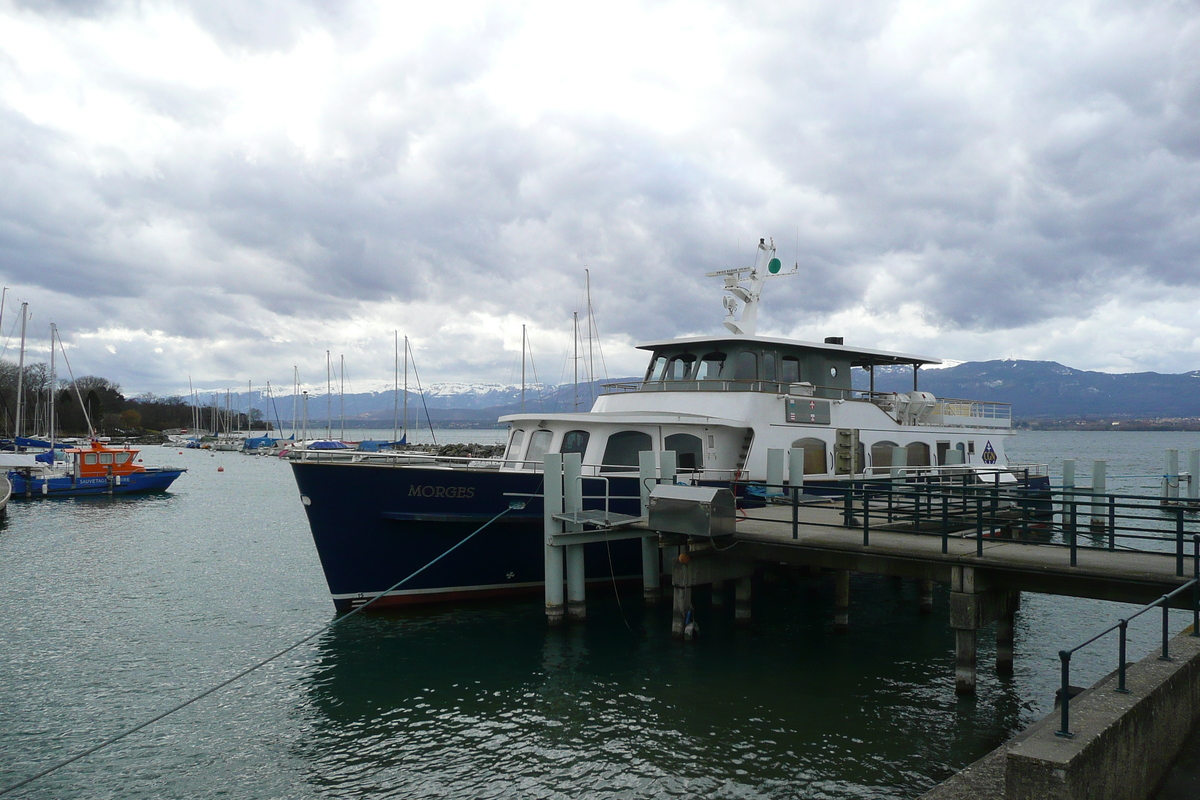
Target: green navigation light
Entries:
(773, 266)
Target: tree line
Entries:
(90, 397)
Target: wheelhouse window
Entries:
(658, 366)
(539, 443)
(815, 462)
(747, 366)
(680, 367)
(574, 442)
(790, 372)
(689, 450)
(122, 457)
(106, 458)
(622, 448)
(918, 454)
(711, 367)
(89, 458)
(513, 452)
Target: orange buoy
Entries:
(684, 558)
(220, 469)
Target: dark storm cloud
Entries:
(991, 165)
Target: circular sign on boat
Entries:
(773, 266)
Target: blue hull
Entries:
(152, 480)
(374, 525)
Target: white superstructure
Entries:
(722, 402)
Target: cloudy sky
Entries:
(223, 190)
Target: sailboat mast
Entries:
(522, 369)
(591, 359)
(53, 381)
(295, 396)
(575, 359)
(342, 394)
(328, 396)
(395, 386)
(21, 373)
(405, 428)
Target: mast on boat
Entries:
(53, 382)
(749, 296)
(328, 396)
(405, 428)
(395, 386)
(342, 394)
(522, 369)
(21, 373)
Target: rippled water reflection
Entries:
(113, 610)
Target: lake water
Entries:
(112, 610)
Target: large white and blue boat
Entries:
(719, 402)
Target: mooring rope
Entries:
(248, 670)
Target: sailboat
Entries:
(96, 468)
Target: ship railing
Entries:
(798, 389)
(942, 411)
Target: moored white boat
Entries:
(720, 403)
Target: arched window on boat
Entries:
(657, 369)
(918, 454)
(574, 442)
(689, 450)
(711, 367)
(962, 449)
(623, 447)
(539, 443)
(790, 372)
(680, 367)
(513, 451)
(747, 366)
(815, 461)
(881, 454)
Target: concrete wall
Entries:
(1123, 744)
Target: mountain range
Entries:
(1036, 390)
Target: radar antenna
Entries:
(749, 295)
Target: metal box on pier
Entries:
(692, 510)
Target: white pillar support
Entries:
(651, 570)
(1171, 478)
(552, 503)
(774, 471)
(1099, 490)
(1194, 476)
(899, 461)
(669, 468)
(1068, 489)
(573, 503)
(796, 469)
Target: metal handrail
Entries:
(1122, 625)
